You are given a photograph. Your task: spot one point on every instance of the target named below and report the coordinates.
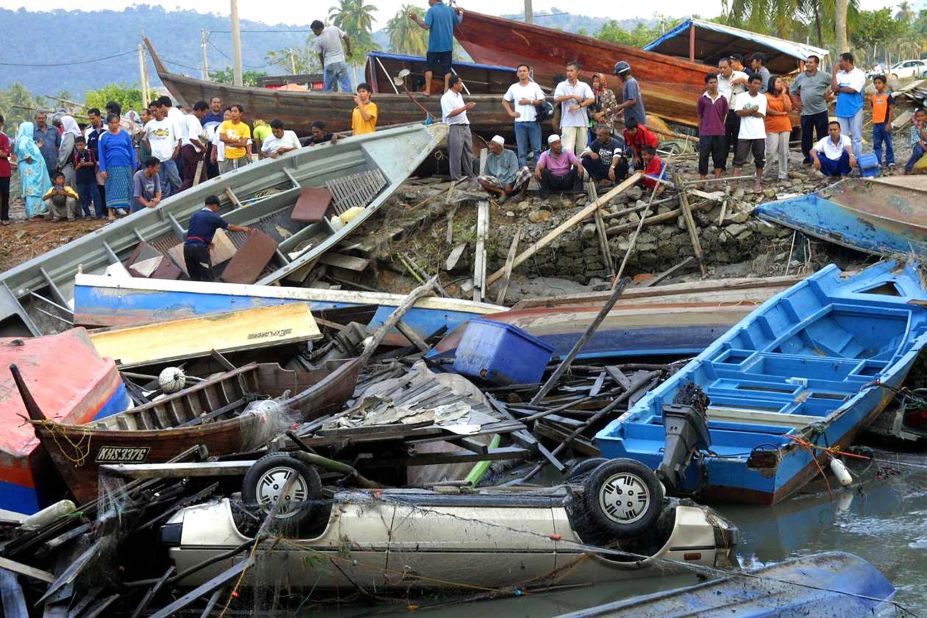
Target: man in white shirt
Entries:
(574, 97)
(193, 146)
(459, 139)
(333, 55)
(280, 141)
(848, 84)
(524, 96)
(751, 139)
(165, 146)
(730, 84)
(833, 155)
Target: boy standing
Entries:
(364, 116)
(751, 139)
(85, 172)
(882, 102)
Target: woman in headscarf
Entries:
(117, 162)
(33, 174)
(606, 104)
(69, 131)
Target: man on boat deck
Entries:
(439, 21)
(503, 176)
(833, 155)
(459, 139)
(200, 232)
(333, 55)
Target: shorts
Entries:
(438, 62)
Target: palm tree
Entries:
(356, 19)
(405, 36)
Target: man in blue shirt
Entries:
(200, 232)
(440, 20)
(48, 139)
(848, 83)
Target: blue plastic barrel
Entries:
(501, 354)
(868, 165)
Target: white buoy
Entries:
(840, 471)
(172, 379)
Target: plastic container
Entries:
(501, 354)
(868, 165)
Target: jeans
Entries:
(598, 170)
(840, 167)
(336, 73)
(882, 132)
(89, 191)
(916, 155)
(714, 146)
(853, 127)
(169, 177)
(777, 147)
(810, 125)
(528, 139)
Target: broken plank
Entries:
(618, 376)
(577, 444)
(175, 470)
(151, 592)
(348, 262)
(454, 256)
(479, 262)
(216, 582)
(507, 269)
(666, 273)
(603, 243)
(412, 336)
(690, 226)
(24, 569)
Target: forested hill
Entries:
(40, 49)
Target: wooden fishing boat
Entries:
(883, 216)
(670, 86)
(211, 413)
(358, 173)
(298, 110)
(132, 301)
(382, 69)
(72, 383)
(806, 371)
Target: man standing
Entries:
(502, 177)
(365, 114)
(758, 64)
(459, 139)
(574, 97)
(808, 97)
(604, 158)
(737, 61)
(165, 146)
(202, 228)
(211, 122)
(48, 139)
(193, 146)
(848, 83)
(730, 84)
(632, 101)
(440, 20)
(832, 155)
(524, 96)
(92, 135)
(6, 172)
(751, 107)
(333, 55)
(558, 169)
(712, 111)
(236, 135)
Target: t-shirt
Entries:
(632, 90)
(144, 187)
(360, 126)
(643, 137)
(517, 92)
(751, 127)
(730, 91)
(178, 118)
(272, 144)
(764, 73)
(194, 129)
(162, 138)
(5, 169)
(849, 104)
(777, 124)
(234, 131)
(328, 43)
(218, 144)
(83, 174)
(880, 105)
(262, 132)
(812, 89)
(441, 19)
(579, 118)
(450, 101)
(92, 137)
(327, 137)
(558, 165)
(653, 171)
(831, 150)
(203, 225)
(608, 150)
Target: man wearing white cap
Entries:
(459, 139)
(503, 176)
(558, 169)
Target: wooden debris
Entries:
(25, 569)
(479, 262)
(216, 582)
(690, 226)
(454, 256)
(655, 280)
(507, 269)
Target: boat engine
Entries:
(685, 422)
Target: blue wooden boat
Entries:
(826, 584)
(883, 216)
(132, 301)
(804, 370)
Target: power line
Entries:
(226, 56)
(66, 64)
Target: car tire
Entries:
(266, 478)
(623, 498)
(582, 468)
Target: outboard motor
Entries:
(347, 343)
(685, 422)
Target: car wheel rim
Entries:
(270, 487)
(624, 498)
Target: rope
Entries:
(56, 65)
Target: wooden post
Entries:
(507, 269)
(479, 263)
(690, 225)
(237, 75)
(691, 42)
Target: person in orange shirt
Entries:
(364, 116)
(882, 102)
(778, 124)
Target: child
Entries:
(653, 169)
(364, 116)
(882, 102)
(918, 139)
(61, 199)
(85, 169)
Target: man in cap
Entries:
(503, 176)
(632, 102)
(558, 169)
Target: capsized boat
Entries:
(747, 420)
(213, 413)
(884, 216)
(358, 173)
(72, 383)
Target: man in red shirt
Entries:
(636, 137)
(5, 173)
(653, 169)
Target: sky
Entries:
(301, 12)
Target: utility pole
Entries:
(143, 75)
(529, 12)
(236, 46)
(203, 42)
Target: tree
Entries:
(249, 77)
(128, 97)
(612, 32)
(295, 60)
(18, 105)
(405, 36)
(840, 25)
(356, 19)
(876, 29)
